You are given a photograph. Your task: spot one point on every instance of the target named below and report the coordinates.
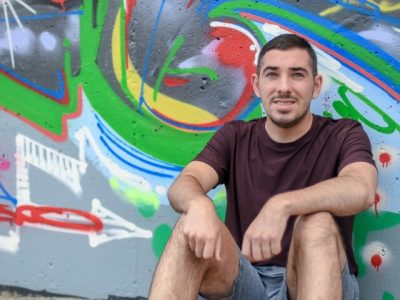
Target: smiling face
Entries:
(286, 86)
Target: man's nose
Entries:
(284, 85)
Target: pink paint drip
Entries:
(4, 164)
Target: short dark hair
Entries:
(285, 42)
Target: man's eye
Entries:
(298, 75)
(271, 75)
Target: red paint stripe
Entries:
(174, 81)
(190, 3)
(43, 215)
(6, 215)
(130, 4)
(380, 83)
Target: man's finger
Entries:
(256, 251)
(209, 249)
(192, 244)
(266, 250)
(275, 248)
(217, 253)
(246, 250)
(199, 248)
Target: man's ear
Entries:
(317, 85)
(254, 83)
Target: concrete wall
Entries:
(103, 102)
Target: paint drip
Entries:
(376, 261)
(377, 200)
(385, 159)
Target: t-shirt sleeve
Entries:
(356, 146)
(217, 151)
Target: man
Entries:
(294, 183)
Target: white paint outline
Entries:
(8, 4)
(255, 47)
(66, 169)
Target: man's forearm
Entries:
(341, 196)
(185, 192)
(191, 187)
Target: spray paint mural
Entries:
(103, 103)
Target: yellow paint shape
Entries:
(176, 110)
(388, 6)
(330, 10)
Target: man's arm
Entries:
(188, 196)
(192, 185)
(348, 194)
(351, 192)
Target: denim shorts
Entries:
(269, 283)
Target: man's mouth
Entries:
(283, 100)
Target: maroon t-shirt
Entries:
(254, 168)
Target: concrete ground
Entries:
(13, 293)
(24, 295)
(16, 296)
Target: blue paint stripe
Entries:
(375, 13)
(7, 195)
(324, 22)
(205, 7)
(253, 105)
(132, 165)
(345, 33)
(137, 157)
(148, 54)
(56, 94)
(104, 129)
(200, 7)
(344, 3)
(43, 16)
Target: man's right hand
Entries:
(202, 228)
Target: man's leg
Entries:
(316, 259)
(181, 275)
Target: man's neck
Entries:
(290, 134)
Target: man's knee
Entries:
(218, 281)
(319, 229)
(178, 242)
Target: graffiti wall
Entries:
(102, 103)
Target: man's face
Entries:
(286, 86)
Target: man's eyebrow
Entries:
(274, 68)
(267, 68)
(296, 69)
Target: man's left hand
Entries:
(263, 237)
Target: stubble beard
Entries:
(289, 123)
